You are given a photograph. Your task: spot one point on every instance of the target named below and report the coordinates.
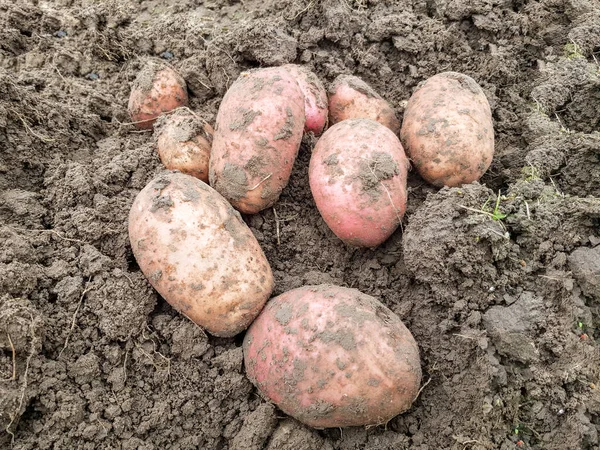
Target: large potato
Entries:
(357, 176)
(198, 254)
(157, 89)
(183, 142)
(352, 98)
(257, 137)
(448, 131)
(315, 98)
(333, 357)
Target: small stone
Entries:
(167, 55)
(61, 34)
(92, 76)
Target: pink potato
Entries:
(352, 98)
(157, 89)
(315, 98)
(183, 142)
(257, 137)
(333, 357)
(357, 176)
(448, 130)
(198, 253)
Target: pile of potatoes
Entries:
(327, 355)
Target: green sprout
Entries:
(573, 51)
(496, 214)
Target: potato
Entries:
(315, 98)
(357, 176)
(448, 131)
(257, 137)
(198, 253)
(157, 89)
(332, 357)
(352, 98)
(183, 142)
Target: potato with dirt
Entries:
(315, 98)
(333, 357)
(448, 131)
(352, 98)
(157, 89)
(257, 137)
(357, 175)
(198, 253)
(183, 142)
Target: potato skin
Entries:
(157, 89)
(357, 176)
(197, 252)
(332, 357)
(257, 136)
(352, 98)
(448, 130)
(315, 98)
(183, 143)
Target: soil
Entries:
(502, 297)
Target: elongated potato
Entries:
(352, 98)
(183, 142)
(257, 137)
(357, 176)
(332, 357)
(157, 89)
(448, 130)
(198, 253)
(315, 98)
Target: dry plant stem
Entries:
(476, 210)
(14, 357)
(207, 43)
(226, 76)
(277, 226)
(56, 233)
(261, 181)
(421, 389)
(301, 12)
(33, 133)
(134, 123)
(23, 388)
(74, 319)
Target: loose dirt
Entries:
(504, 302)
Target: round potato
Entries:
(183, 142)
(315, 98)
(448, 131)
(352, 98)
(357, 176)
(157, 89)
(257, 137)
(333, 357)
(198, 253)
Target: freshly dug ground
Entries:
(502, 297)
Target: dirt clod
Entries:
(503, 303)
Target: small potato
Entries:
(157, 89)
(198, 253)
(357, 176)
(448, 131)
(352, 98)
(333, 357)
(257, 137)
(315, 98)
(183, 142)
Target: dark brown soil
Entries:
(504, 302)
